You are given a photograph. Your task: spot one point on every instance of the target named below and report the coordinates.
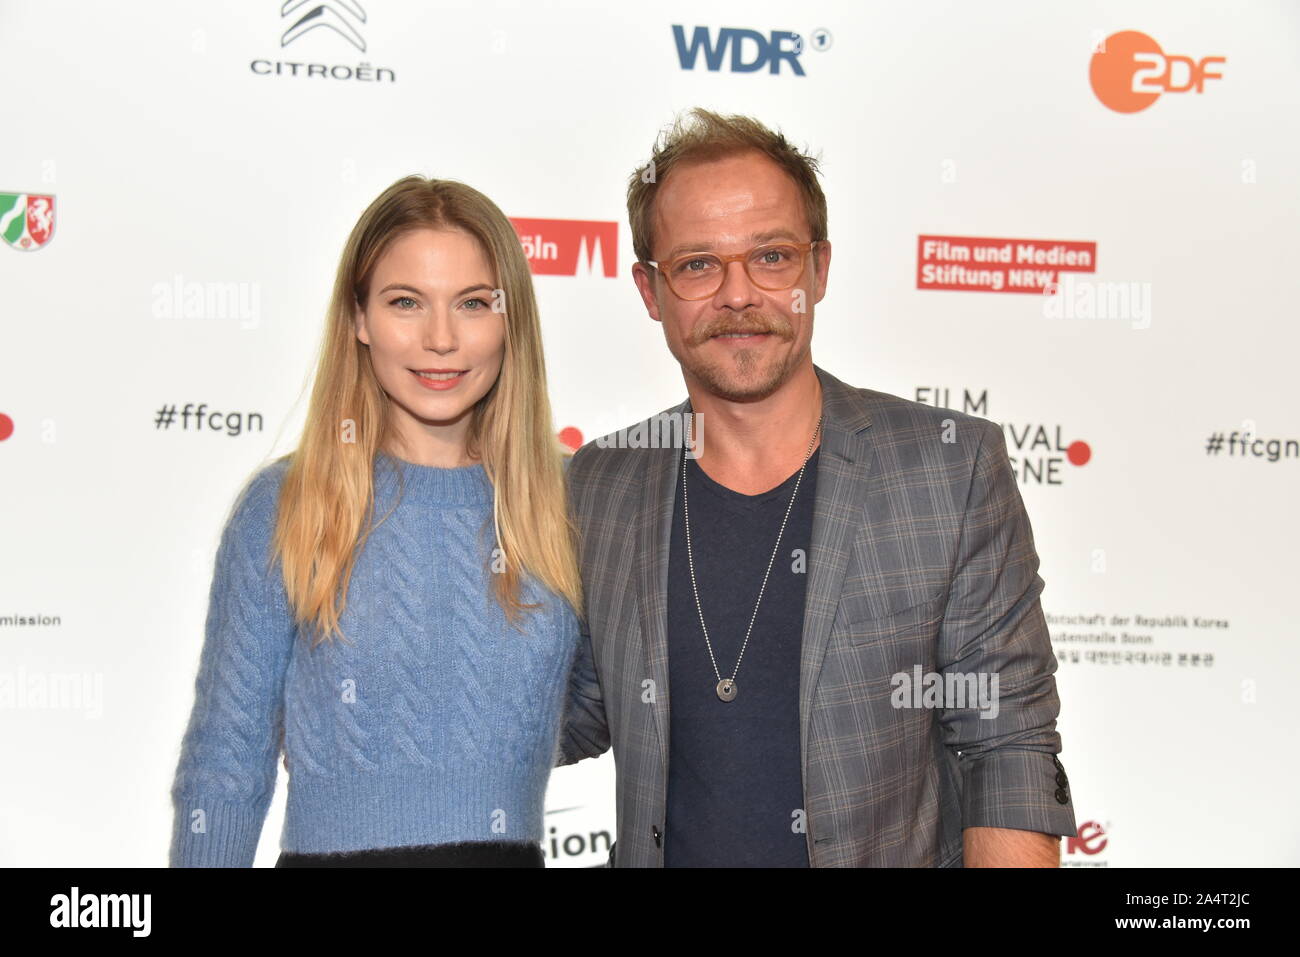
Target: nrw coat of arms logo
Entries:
(26, 220)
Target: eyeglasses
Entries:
(771, 266)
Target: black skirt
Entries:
(469, 854)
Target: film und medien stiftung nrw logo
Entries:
(326, 28)
(747, 51)
(26, 220)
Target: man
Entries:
(759, 610)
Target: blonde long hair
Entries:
(326, 505)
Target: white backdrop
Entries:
(201, 200)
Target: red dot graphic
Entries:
(6, 426)
(571, 437)
(1078, 453)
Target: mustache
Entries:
(749, 322)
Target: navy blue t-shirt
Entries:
(735, 786)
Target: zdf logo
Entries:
(1129, 71)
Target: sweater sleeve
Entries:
(226, 775)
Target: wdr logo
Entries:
(751, 51)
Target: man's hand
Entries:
(1009, 847)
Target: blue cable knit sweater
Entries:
(435, 722)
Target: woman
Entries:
(394, 602)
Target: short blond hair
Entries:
(703, 135)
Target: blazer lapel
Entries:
(838, 514)
(654, 522)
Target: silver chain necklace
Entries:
(727, 686)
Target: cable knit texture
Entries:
(434, 722)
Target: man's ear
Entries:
(823, 267)
(359, 324)
(645, 284)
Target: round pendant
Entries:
(726, 689)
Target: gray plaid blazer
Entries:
(921, 554)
